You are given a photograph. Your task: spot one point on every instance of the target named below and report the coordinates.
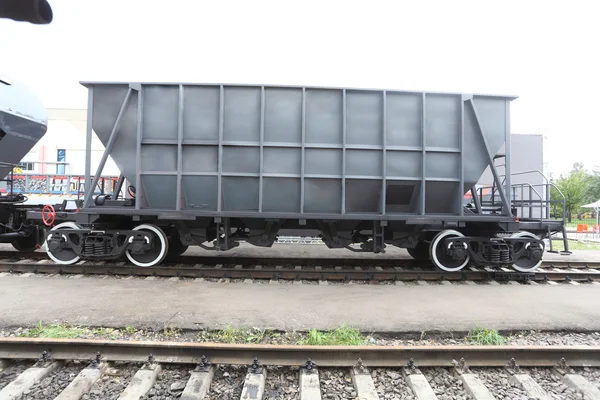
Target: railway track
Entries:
(208, 260)
(93, 369)
(325, 272)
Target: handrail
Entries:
(533, 189)
(564, 199)
(547, 183)
(529, 172)
(536, 192)
(521, 185)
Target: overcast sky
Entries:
(545, 52)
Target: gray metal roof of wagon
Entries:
(366, 89)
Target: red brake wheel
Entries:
(48, 214)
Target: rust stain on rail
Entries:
(296, 355)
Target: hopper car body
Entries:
(212, 165)
(23, 123)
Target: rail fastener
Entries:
(296, 355)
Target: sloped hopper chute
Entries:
(299, 149)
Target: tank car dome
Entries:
(23, 122)
(18, 100)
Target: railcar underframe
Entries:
(451, 243)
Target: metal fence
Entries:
(55, 184)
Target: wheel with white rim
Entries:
(525, 264)
(61, 254)
(439, 255)
(156, 254)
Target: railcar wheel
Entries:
(26, 243)
(439, 256)
(527, 264)
(176, 248)
(60, 255)
(420, 251)
(155, 255)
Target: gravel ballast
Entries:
(499, 383)
(11, 372)
(552, 384)
(228, 382)
(390, 384)
(113, 383)
(170, 382)
(444, 384)
(591, 374)
(336, 384)
(281, 383)
(53, 385)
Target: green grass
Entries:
(237, 335)
(170, 331)
(574, 245)
(106, 332)
(342, 336)
(55, 331)
(484, 336)
(574, 222)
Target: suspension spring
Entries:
(493, 254)
(101, 247)
(97, 246)
(88, 248)
(505, 256)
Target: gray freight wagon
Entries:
(212, 165)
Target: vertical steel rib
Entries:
(303, 152)
(423, 152)
(139, 193)
(88, 144)
(344, 151)
(179, 194)
(384, 153)
(461, 171)
(109, 146)
(507, 152)
(220, 166)
(261, 144)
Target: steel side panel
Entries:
(299, 151)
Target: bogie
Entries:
(60, 241)
(150, 244)
(149, 252)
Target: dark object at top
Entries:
(35, 11)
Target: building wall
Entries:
(67, 131)
(526, 155)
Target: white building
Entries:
(65, 142)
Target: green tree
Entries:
(574, 187)
(592, 192)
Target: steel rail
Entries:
(310, 274)
(295, 355)
(208, 260)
